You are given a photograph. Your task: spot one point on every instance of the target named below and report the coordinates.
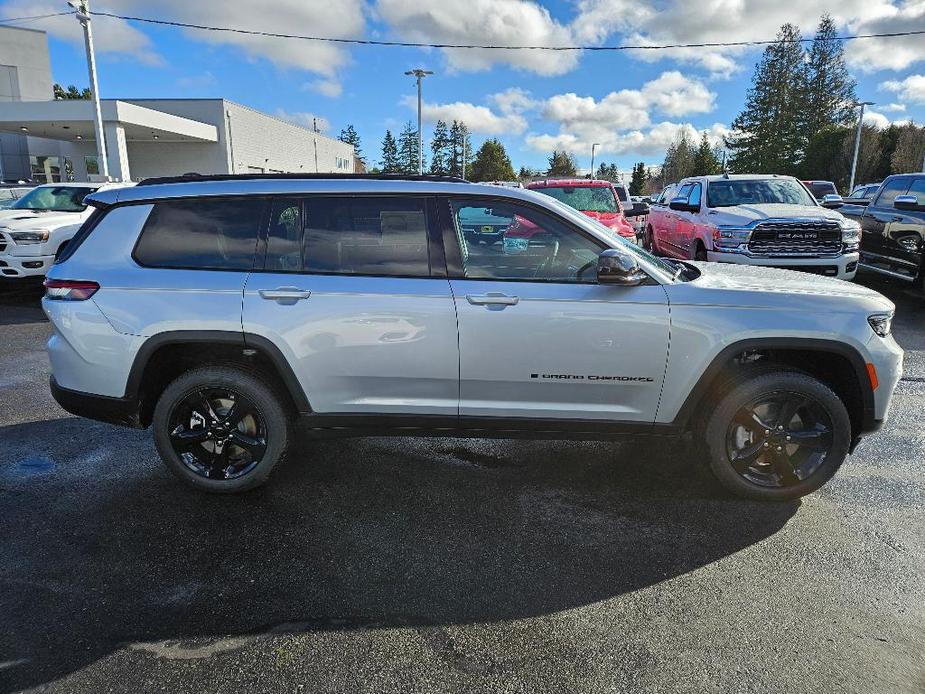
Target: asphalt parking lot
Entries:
(444, 565)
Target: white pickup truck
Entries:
(37, 227)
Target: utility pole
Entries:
(593, 146)
(857, 141)
(82, 8)
(464, 153)
(419, 74)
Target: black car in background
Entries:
(865, 191)
(820, 189)
(893, 228)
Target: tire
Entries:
(788, 463)
(187, 430)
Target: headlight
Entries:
(881, 323)
(25, 238)
(851, 233)
(730, 238)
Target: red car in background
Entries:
(597, 199)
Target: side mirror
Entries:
(614, 267)
(681, 205)
(639, 209)
(832, 200)
(907, 202)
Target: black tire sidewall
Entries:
(250, 386)
(765, 384)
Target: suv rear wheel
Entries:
(220, 429)
(777, 435)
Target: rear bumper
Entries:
(121, 411)
(844, 267)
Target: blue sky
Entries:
(632, 103)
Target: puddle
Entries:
(34, 465)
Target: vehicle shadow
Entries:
(103, 548)
(20, 301)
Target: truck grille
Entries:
(796, 238)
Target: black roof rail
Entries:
(199, 178)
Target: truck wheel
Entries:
(221, 429)
(777, 435)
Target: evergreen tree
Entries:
(680, 158)
(829, 88)
(440, 150)
(768, 132)
(705, 163)
(888, 140)
(639, 179)
(460, 150)
(824, 158)
(910, 150)
(390, 163)
(607, 172)
(72, 92)
(492, 163)
(408, 149)
(527, 174)
(349, 136)
(562, 165)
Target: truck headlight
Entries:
(730, 238)
(851, 233)
(881, 323)
(26, 238)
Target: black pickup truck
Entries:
(893, 228)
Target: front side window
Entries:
(918, 189)
(54, 199)
(889, 191)
(583, 198)
(384, 236)
(533, 245)
(694, 198)
(206, 234)
(684, 192)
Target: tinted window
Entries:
(889, 191)
(534, 246)
(621, 193)
(822, 188)
(684, 192)
(219, 234)
(349, 235)
(918, 189)
(694, 198)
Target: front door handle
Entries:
(493, 300)
(284, 295)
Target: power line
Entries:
(35, 17)
(412, 44)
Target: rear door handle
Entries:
(284, 295)
(494, 300)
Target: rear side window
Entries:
(380, 236)
(207, 234)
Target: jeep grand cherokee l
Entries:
(226, 311)
(754, 220)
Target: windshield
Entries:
(757, 192)
(54, 199)
(584, 198)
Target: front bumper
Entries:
(24, 265)
(843, 267)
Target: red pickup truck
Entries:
(599, 200)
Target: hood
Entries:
(29, 219)
(743, 285)
(743, 215)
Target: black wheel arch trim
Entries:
(869, 422)
(224, 337)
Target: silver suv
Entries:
(225, 311)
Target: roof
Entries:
(734, 177)
(567, 182)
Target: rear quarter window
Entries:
(208, 234)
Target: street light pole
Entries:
(419, 75)
(593, 146)
(82, 8)
(857, 142)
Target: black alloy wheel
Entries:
(218, 434)
(779, 440)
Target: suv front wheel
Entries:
(220, 429)
(777, 435)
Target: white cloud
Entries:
(648, 142)
(479, 119)
(878, 120)
(484, 22)
(305, 119)
(910, 89)
(514, 100)
(198, 82)
(114, 37)
(328, 88)
(893, 108)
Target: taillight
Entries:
(70, 290)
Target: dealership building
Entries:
(49, 140)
